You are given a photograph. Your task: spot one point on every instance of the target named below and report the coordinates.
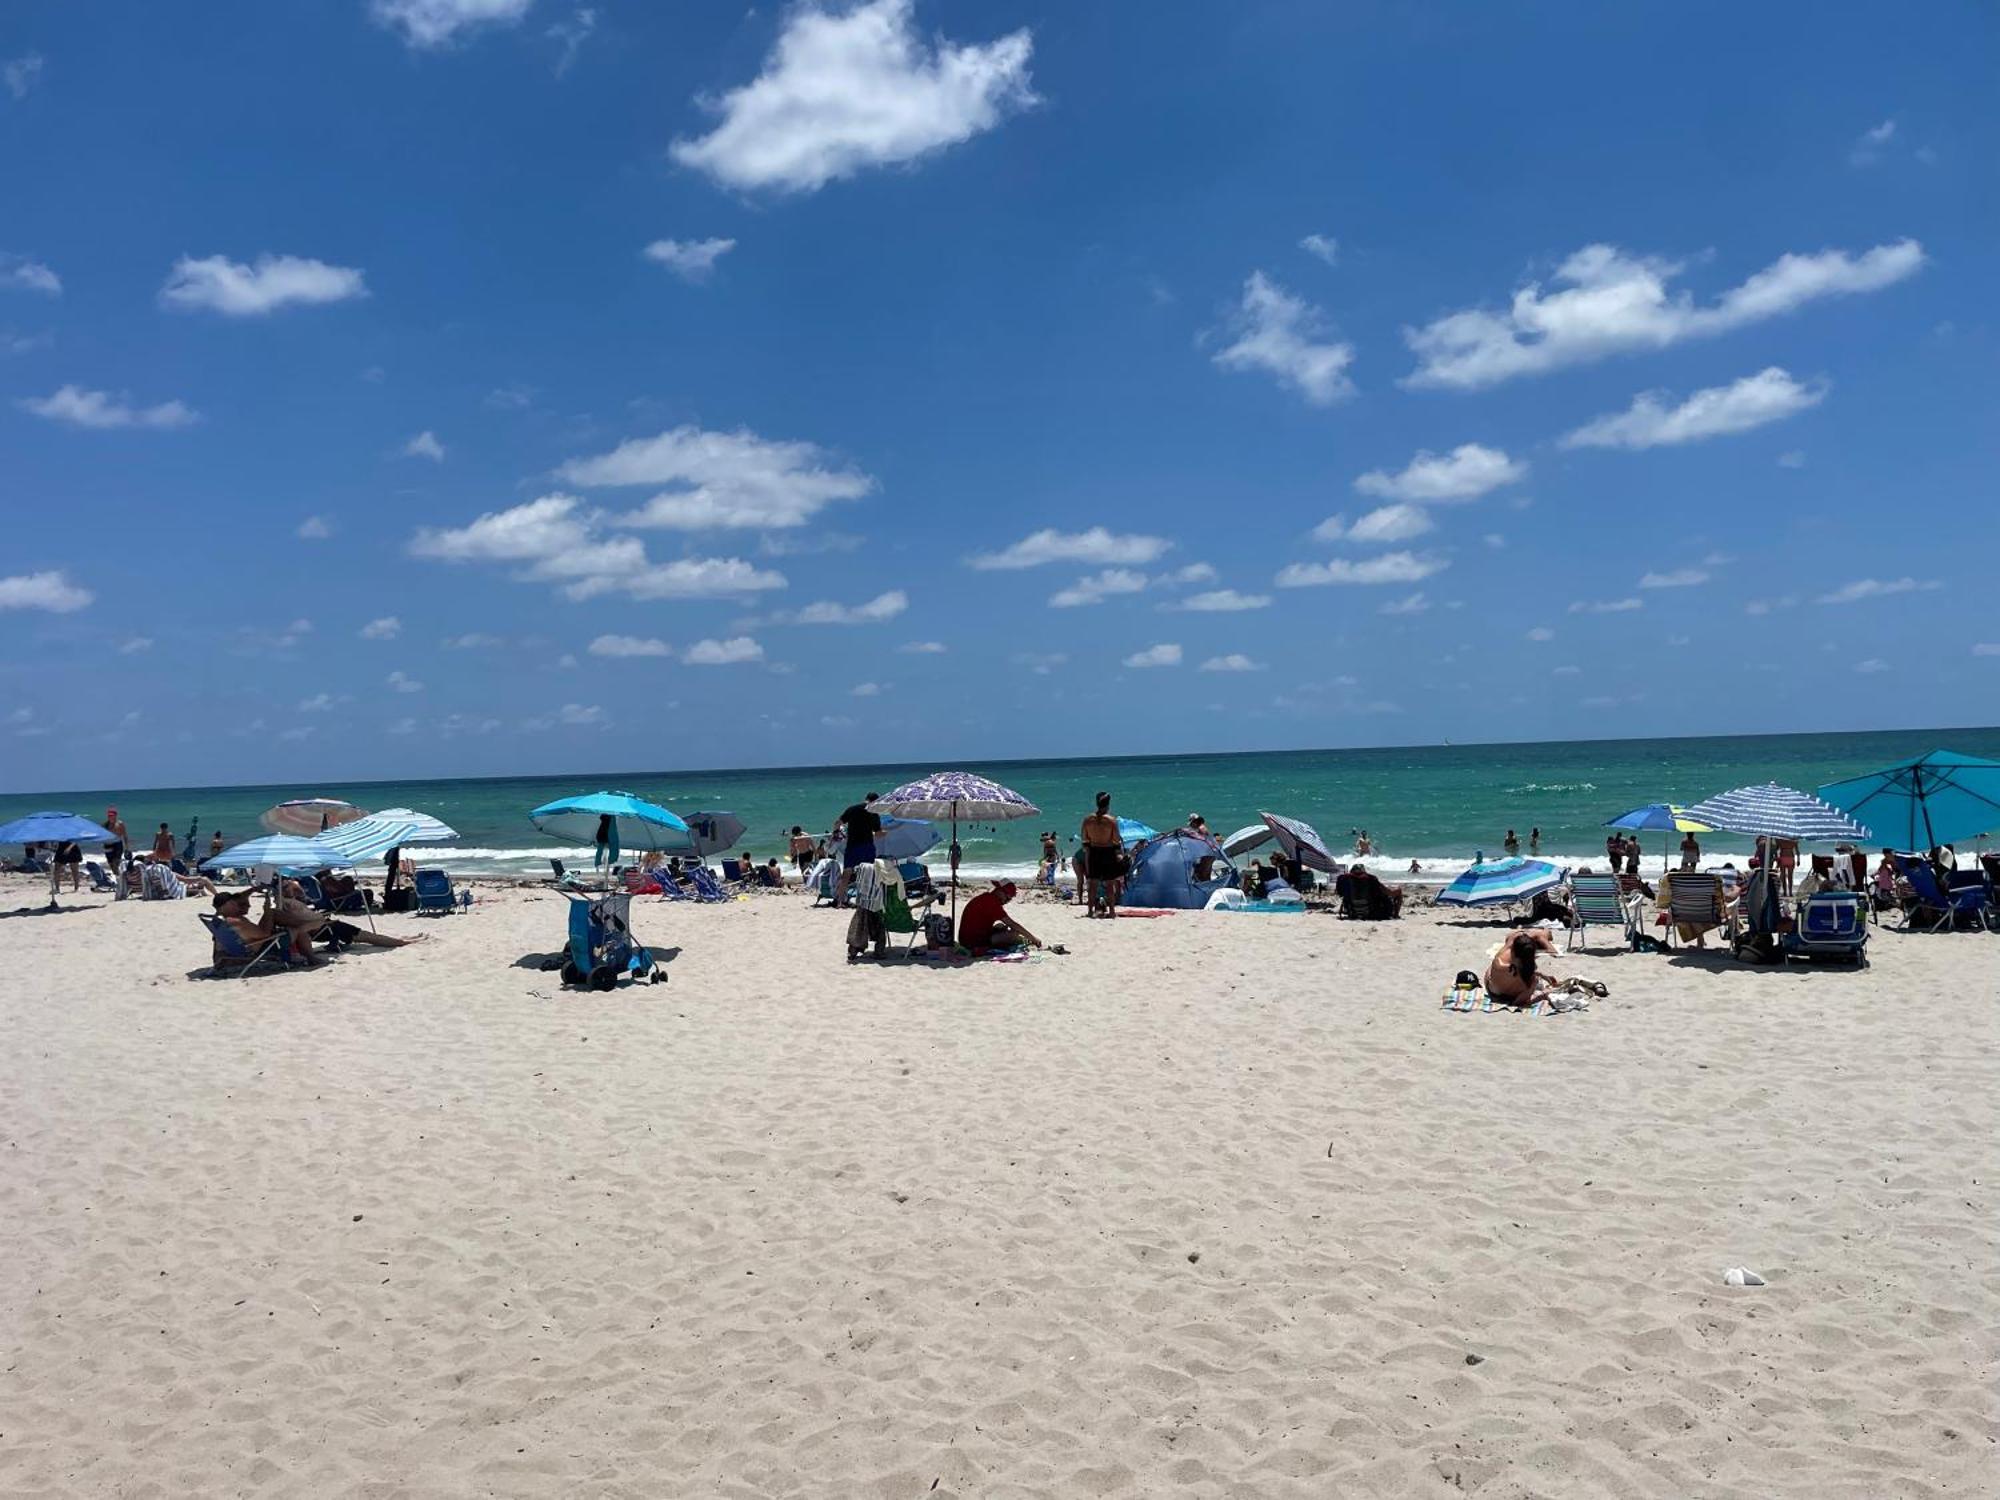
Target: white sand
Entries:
(1213, 1206)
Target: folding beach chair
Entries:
(1698, 901)
(706, 888)
(1929, 909)
(231, 955)
(899, 915)
(1971, 900)
(100, 878)
(435, 893)
(1830, 924)
(1598, 900)
(735, 871)
(310, 891)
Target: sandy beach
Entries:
(1212, 1205)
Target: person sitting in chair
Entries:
(985, 927)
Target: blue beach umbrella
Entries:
(1778, 812)
(635, 823)
(1918, 804)
(284, 852)
(1132, 831)
(1658, 817)
(391, 828)
(900, 838)
(54, 828)
(1501, 882)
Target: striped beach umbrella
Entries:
(1501, 882)
(1779, 812)
(306, 816)
(284, 852)
(391, 828)
(1301, 842)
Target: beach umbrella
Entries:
(1245, 839)
(714, 831)
(1501, 882)
(961, 797)
(306, 816)
(1301, 842)
(391, 828)
(900, 838)
(283, 852)
(635, 823)
(1659, 817)
(54, 828)
(1918, 804)
(1132, 831)
(1778, 812)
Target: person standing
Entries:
(163, 846)
(1534, 841)
(114, 852)
(1614, 849)
(604, 846)
(1511, 844)
(802, 849)
(1045, 872)
(215, 843)
(1690, 851)
(1103, 858)
(1632, 856)
(861, 823)
(1787, 861)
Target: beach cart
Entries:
(601, 948)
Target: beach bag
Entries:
(937, 930)
(402, 898)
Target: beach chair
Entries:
(1698, 903)
(1830, 924)
(100, 878)
(434, 892)
(916, 878)
(1971, 900)
(1928, 908)
(735, 871)
(899, 915)
(1597, 900)
(310, 892)
(822, 878)
(231, 955)
(706, 887)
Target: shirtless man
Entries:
(1103, 853)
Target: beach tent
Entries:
(1163, 872)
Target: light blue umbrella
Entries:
(55, 828)
(391, 828)
(1132, 831)
(1501, 882)
(284, 852)
(635, 823)
(1918, 804)
(900, 838)
(1245, 839)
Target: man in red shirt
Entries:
(984, 924)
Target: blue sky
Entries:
(431, 387)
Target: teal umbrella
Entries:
(1918, 804)
(634, 824)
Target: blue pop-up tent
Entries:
(1164, 871)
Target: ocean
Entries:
(1440, 805)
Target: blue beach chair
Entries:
(435, 893)
(231, 955)
(100, 878)
(706, 887)
(1830, 924)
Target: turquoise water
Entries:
(1439, 804)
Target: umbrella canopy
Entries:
(1917, 804)
(1132, 831)
(1501, 882)
(1658, 817)
(1778, 812)
(959, 796)
(54, 828)
(1301, 841)
(391, 828)
(277, 851)
(307, 816)
(900, 838)
(639, 824)
(1245, 839)
(714, 831)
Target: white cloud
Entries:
(1794, 459)
(1322, 247)
(1869, 148)
(425, 445)
(1566, 671)
(1675, 578)
(236, 290)
(1766, 606)
(1876, 588)
(133, 645)
(1390, 567)
(404, 725)
(557, 542)
(1041, 663)
(1182, 577)
(313, 529)
(471, 641)
(403, 683)
(387, 628)
(1166, 654)
(1606, 606)
(1986, 648)
(1409, 604)
(297, 732)
(923, 648)
(710, 653)
(881, 608)
(1386, 523)
(572, 34)
(1096, 545)
(1754, 401)
(1235, 661)
(1098, 587)
(1282, 335)
(22, 73)
(1613, 303)
(843, 91)
(1494, 540)
(836, 721)
(1541, 633)
(582, 715)
(318, 703)
(101, 410)
(510, 398)
(691, 260)
(721, 480)
(1221, 601)
(865, 690)
(18, 273)
(629, 645)
(1871, 665)
(438, 23)
(1465, 473)
(51, 591)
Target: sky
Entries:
(461, 387)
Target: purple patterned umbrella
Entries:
(957, 795)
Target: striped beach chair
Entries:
(1598, 900)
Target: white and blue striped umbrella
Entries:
(276, 851)
(1501, 882)
(1301, 841)
(375, 835)
(1778, 812)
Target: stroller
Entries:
(601, 949)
